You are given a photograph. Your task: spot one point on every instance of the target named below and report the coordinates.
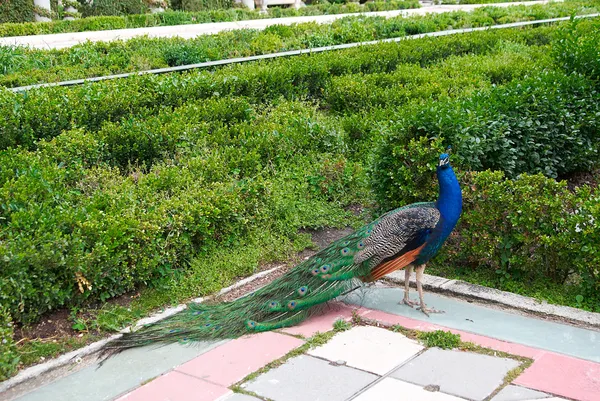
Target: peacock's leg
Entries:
(423, 307)
(406, 300)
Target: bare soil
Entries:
(590, 178)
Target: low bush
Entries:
(544, 124)
(46, 112)
(74, 228)
(529, 228)
(8, 351)
(24, 67)
(16, 11)
(577, 49)
(110, 15)
(358, 92)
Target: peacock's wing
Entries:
(397, 239)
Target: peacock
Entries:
(407, 237)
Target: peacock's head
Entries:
(444, 160)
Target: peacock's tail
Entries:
(286, 301)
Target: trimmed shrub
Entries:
(8, 351)
(578, 48)
(529, 227)
(544, 124)
(16, 11)
(46, 112)
(97, 59)
(74, 228)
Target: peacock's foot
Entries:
(427, 311)
(407, 301)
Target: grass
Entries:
(540, 288)
(35, 351)
(440, 339)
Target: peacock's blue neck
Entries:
(449, 201)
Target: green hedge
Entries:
(75, 228)
(111, 7)
(530, 228)
(202, 5)
(101, 207)
(544, 124)
(25, 67)
(167, 18)
(46, 112)
(8, 351)
(16, 11)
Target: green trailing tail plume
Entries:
(285, 302)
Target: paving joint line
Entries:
(298, 52)
(388, 374)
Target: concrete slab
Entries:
(393, 389)
(549, 373)
(463, 374)
(486, 321)
(368, 348)
(235, 360)
(516, 393)
(308, 378)
(176, 386)
(119, 374)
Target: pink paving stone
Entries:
(176, 387)
(322, 323)
(234, 360)
(563, 375)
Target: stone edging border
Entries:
(503, 298)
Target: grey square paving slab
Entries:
(390, 389)
(369, 348)
(516, 393)
(119, 374)
(464, 374)
(307, 378)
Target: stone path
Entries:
(365, 363)
(63, 40)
